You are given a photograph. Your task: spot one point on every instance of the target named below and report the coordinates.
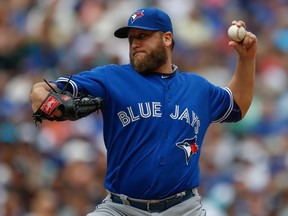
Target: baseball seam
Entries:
(238, 29)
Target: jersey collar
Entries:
(174, 69)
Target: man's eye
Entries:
(138, 37)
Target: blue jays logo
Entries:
(136, 15)
(189, 146)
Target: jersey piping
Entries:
(230, 108)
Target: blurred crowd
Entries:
(57, 169)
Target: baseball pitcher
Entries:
(155, 117)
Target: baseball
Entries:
(236, 33)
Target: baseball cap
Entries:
(152, 19)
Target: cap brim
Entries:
(123, 32)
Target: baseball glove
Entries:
(72, 108)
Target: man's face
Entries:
(147, 50)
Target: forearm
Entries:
(242, 83)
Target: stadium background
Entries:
(58, 168)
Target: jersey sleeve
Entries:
(93, 82)
(221, 103)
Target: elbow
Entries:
(244, 111)
(244, 106)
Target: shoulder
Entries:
(191, 75)
(194, 78)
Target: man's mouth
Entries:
(138, 53)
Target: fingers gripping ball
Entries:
(72, 108)
(236, 33)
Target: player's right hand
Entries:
(248, 47)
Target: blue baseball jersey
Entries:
(154, 126)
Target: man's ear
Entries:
(167, 38)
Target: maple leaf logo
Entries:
(190, 147)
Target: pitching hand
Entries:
(247, 48)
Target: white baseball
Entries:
(236, 33)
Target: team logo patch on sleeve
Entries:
(136, 15)
(189, 146)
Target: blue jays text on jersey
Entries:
(154, 126)
(153, 110)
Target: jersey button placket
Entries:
(161, 161)
(168, 91)
(165, 135)
(168, 99)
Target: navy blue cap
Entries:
(151, 19)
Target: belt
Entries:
(155, 205)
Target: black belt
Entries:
(155, 206)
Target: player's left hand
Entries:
(61, 105)
(247, 48)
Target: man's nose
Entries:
(135, 43)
